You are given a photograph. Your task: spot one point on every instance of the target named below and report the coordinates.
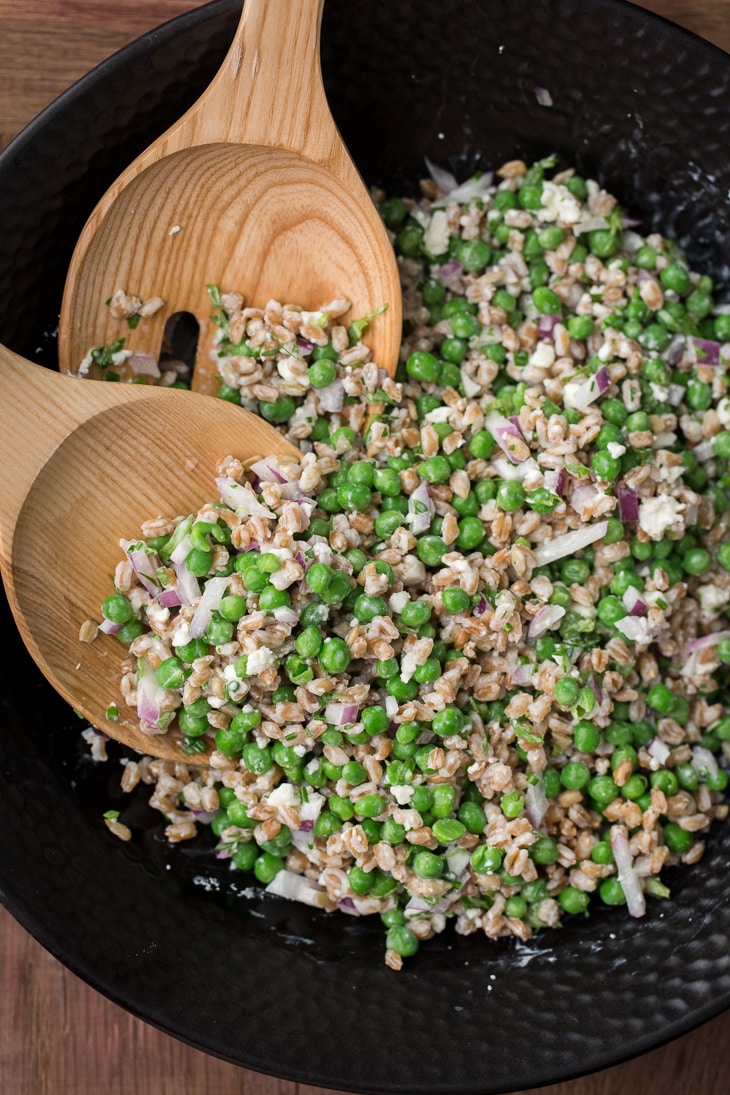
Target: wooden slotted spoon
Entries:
(82, 464)
(253, 191)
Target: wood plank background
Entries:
(57, 1035)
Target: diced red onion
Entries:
(706, 640)
(305, 345)
(502, 430)
(627, 876)
(704, 763)
(536, 803)
(445, 181)
(332, 397)
(633, 603)
(570, 542)
(628, 503)
(458, 862)
(268, 471)
(675, 350)
(522, 673)
(705, 351)
(554, 480)
(546, 325)
(169, 597)
(188, 586)
(341, 714)
(450, 268)
(150, 695)
(108, 627)
(209, 603)
(595, 688)
(603, 380)
(143, 565)
(481, 608)
(544, 619)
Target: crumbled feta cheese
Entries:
(659, 391)
(260, 660)
(436, 236)
(712, 598)
(439, 414)
(723, 411)
(402, 794)
(615, 450)
(543, 355)
(635, 628)
(398, 601)
(181, 634)
(558, 204)
(658, 514)
(286, 794)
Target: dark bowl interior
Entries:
(271, 985)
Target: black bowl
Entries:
(642, 106)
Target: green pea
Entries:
(427, 864)
(567, 690)
(435, 469)
(118, 609)
(334, 656)
(423, 366)
(677, 839)
(675, 277)
(546, 301)
(573, 900)
(455, 600)
(401, 940)
(486, 859)
(510, 495)
(431, 550)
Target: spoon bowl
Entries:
(82, 464)
(253, 191)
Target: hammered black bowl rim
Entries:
(32, 919)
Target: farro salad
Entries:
(467, 660)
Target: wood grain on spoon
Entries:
(81, 465)
(251, 190)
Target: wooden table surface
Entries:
(57, 1035)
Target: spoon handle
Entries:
(268, 91)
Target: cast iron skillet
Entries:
(165, 933)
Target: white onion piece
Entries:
(332, 397)
(506, 469)
(502, 430)
(627, 876)
(419, 519)
(445, 181)
(560, 546)
(391, 706)
(536, 803)
(268, 471)
(706, 640)
(188, 586)
(150, 697)
(240, 498)
(659, 750)
(544, 619)
(296, 887)
(471, 387)
(704, 763)
(208, 604)
(285, 615)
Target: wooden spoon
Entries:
(82, 464)
(253, 191)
